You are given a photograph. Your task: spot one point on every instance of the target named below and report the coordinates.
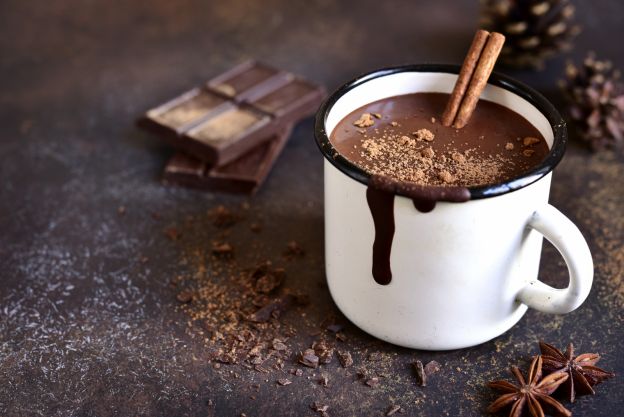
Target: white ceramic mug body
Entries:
(463, 273)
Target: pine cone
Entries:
(534, 29)
(596, 102)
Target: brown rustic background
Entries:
(88, 321)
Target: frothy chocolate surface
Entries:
(401, 137)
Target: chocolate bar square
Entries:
(248, 79)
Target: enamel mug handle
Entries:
(569, 241)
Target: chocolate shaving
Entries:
(392, 410)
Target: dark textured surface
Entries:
(88, 323)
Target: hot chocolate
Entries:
(402, 138)
(401, 142)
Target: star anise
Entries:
(532, 394)
(583, 375)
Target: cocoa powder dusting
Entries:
(407, 145)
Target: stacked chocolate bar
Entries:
(229, 132)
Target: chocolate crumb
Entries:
(184, 296)
(421, 376)
(267, 278)
(172, 233)
(424, 134)
(530, 141)
(528, 152)
(222, 217)
(345, 359)
(222, 249)
(393, 409)
(279, 345)
(284, 381)
(340, 336)
(509, 146)
(255, 227)
(121, 210)
(372, 382)
(365, 120)
(293, 249)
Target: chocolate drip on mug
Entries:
(380, 197)
(381, 204)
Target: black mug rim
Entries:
(558, 125)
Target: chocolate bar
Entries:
(243, 175)
(234, 112)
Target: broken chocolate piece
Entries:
(274, 309)
(308, 358)
(432, 367)
(320, 408)
(335, 328)
(270, 280)
(421, 376)
(243, 175)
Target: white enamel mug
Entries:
(463, 273)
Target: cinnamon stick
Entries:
(479, 78)
(465, 74)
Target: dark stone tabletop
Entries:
(89, 321)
